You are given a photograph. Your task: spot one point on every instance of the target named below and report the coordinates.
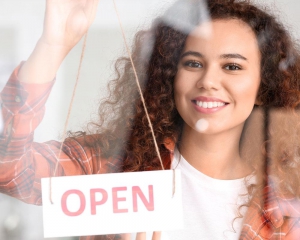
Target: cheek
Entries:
(247, 90)
(177, 96)
(178, 89)
(180, 93)
(246, 97)
(183, 84)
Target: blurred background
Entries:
(21, 25)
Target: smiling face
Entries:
(218, 77)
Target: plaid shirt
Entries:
(23, 163)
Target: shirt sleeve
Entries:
(23, 162)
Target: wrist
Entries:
(55, 50)
(43, 63)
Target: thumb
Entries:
(141, 236)
(156, 236)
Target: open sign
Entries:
(112, 203)
(136, 191)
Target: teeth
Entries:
(209, 104)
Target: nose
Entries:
(210, 79)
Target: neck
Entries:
(216, 155)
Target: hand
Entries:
(66, 21)
(141, 236)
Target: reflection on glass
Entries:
(221, 89)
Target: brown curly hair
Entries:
(122, 130)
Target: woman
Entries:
(201, 79)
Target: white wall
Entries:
(21, 24)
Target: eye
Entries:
(233, 67)
(193, 64)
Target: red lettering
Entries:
(148, 204)
(117, 199)
(64, 203)
(94, 203)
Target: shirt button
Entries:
(17, 99)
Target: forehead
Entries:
(223, 36)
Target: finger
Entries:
(141, 236)
(126, 236)
(156, 236)
(90, 9)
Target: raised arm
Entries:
(22, 162)
(66, 22)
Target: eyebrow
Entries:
(192, 53)
(226, 56)
(234, 55)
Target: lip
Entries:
(208, 99)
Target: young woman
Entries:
(205, 78)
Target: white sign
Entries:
(112, 203)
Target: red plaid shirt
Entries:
(23, 163)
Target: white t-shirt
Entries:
(209, 205)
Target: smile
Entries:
(209, 104)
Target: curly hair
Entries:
(122, 130)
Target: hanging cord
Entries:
(139, 87)
(174, 183)
(267, 138)
(69, 113)
(74, 93)
(267, 162)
